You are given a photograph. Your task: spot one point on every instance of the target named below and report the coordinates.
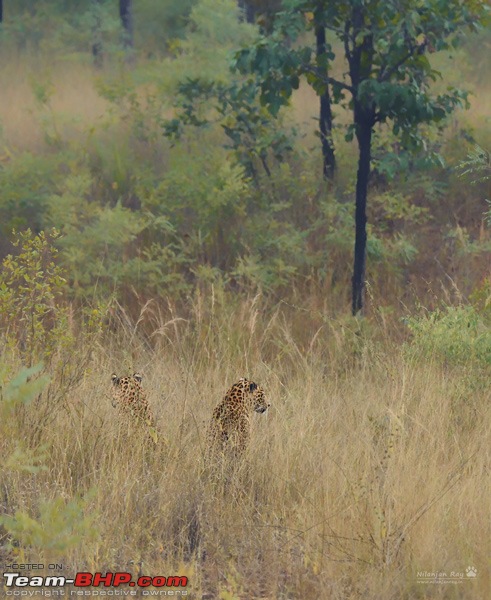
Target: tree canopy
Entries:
(388, 75)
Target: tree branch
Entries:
(385, 75)
(337, 30)
(347, 51)
(326, 79)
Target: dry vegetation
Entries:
(369, 467)
(75, 101)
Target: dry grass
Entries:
(369, 466)
(77, 106)
(74, 102)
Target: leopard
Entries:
(130, 398)
(230, 426)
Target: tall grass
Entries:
(74, 101)
(369, 467)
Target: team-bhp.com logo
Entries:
(85, 580)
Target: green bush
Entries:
(31, 287)
(455, 335)
(56, 525)
(95, 241)
(26, 183)
(39, 325)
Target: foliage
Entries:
(22, 389)
(477, 164)
(37, 324)
(16, 394)
(50, 26)
(26, 182)
(94, 237)
(481, 298)
(159, 25)
(31, 287)
(212, 33)
(233, 194)
(392, 42)
(210, 218)
(61, 525)
(384, 50)
(208, 93)
(454, 335)
(252, 135)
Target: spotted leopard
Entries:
(130, 398)
(230, 425)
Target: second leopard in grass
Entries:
(130, 398)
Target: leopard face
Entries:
(231, 421)
(129, 397)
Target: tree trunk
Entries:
(360, 63)
(325, 115)
(364, 123)
(1, 11)
(97, 50)
(126, 16)
(247, 11)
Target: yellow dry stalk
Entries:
(395, 427)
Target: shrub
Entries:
(31, 285)
(455, 335)
(26, 183)
(56, 525)
(38, 325)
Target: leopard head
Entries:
(256, 396)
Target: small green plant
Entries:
(22, 389)
(16, 395)
(477, 164)
(456, 335)
(37, 324)
(31, 287)
(59, 525)
(26, 182)
(43, 91)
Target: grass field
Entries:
(369, 468)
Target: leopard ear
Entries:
(138, 377)
(252, 386)
(115, 379)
